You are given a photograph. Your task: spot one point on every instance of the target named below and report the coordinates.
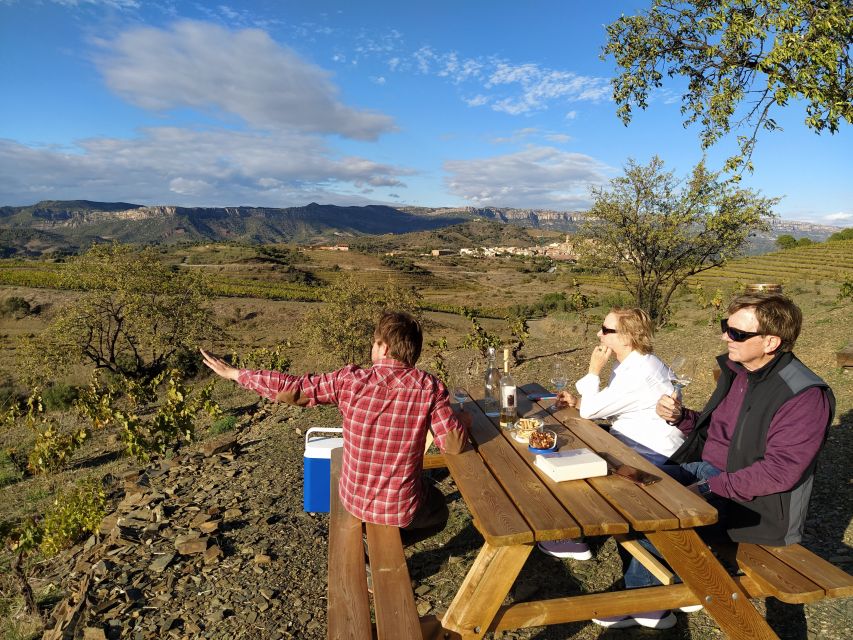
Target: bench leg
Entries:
(484, 589)
(712, 585)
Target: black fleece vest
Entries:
(775, 519)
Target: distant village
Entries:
(556, 251)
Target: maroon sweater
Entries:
(790, 447)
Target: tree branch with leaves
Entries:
(762, 53)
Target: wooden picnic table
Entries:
(514, 505)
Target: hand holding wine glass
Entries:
(683, 372)
(559, 381)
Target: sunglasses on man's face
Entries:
(736, 335)
(606, 330)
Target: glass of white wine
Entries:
(460, 395)
(559, 382)
(683, 372)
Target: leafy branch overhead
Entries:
(740, 59)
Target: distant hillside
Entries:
(51, 225)
(75, 224)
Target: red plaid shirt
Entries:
(387, 410)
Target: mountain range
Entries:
(70, 225)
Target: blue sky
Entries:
(280, 103)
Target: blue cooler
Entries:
(318, 467)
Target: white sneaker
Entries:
(566, 548)
(649, 619)
(691, 608)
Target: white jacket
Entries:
(629, 400)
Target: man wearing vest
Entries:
(752, 451)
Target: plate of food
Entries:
(524, 427)
(542, 441)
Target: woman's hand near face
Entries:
(600, 355)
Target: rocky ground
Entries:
(213, 543)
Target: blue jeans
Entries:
(636, 575)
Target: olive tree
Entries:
(762, 53)
(134, 316)
(653, 230)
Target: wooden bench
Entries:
(792, 574)
(348, 599)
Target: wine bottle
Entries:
(491, 399)
(509, 409)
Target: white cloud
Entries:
(560, 138)
(477, 101)
(189, 167)
(534, 177)
(571, 115)
(538, 86)
(841, 216)
(243, 73)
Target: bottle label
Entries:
(508, 396)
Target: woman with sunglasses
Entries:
(628, 401)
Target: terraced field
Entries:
(827, 261)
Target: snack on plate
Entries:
(525, 427)
(543, 439)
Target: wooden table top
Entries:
(513, 502)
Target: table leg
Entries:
(721, 596)
(484, 589)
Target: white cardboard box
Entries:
(571, 464)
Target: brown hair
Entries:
(403, 335)
(638, 326)
(777, 315)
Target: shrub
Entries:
(15, 306)
(267, 358)
(846, 290)
(59, 396)
(225, 423)
(73, 515)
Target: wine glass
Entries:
(460, 395)
(682, 373)
(559, 381)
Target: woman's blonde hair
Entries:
(638, 326)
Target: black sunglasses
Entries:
(736, 334)
(606, 330)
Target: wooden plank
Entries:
(484, 589)
(713, 587)
(348, 604)
(834, 581)
(494, 514)
(596, 605)
(775, 577)
(393, 598)
(646, 558)
(594, 514)
(434, 461)
(690, 509)
(546, 516)
(642, 511)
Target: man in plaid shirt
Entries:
(387, 410)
